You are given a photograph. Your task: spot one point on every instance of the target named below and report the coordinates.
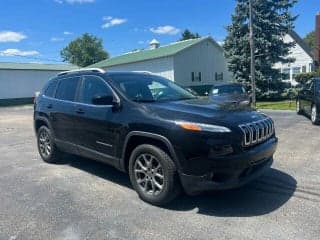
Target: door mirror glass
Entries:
(103, 100)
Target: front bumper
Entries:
(233, 171)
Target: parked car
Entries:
(308, 100)
(231, 93)
(161, 134)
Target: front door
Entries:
(96, 124)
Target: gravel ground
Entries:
(81, 199)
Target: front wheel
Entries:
(315, 119)
(153, 175)
(298, 107)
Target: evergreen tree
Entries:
(188, 35)
(272, 20)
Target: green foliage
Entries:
(188, 35)
(272, 21)
(84, 51)
(310, 39)
(302, 78)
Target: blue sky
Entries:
(39, 29)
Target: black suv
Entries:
(161, 134)
(308, 100)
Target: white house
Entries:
(19, 81)
(304, 61)
(197, 63)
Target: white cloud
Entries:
(110, 21)
(67, 33)
(74, 1)
(11, 52)
(56, 39)
(170, 30)
(141, 42)
(9, 36)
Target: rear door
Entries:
(63, 111)
(96, 124)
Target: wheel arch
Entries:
(136, 138)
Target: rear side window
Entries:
(93, 86)
(67, 88)
(51, 87)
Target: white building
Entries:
(303, 56)
(197, 63)
(19, 81)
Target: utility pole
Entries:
(252, 50)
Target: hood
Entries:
(206, 111)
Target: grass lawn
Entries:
(281, 105)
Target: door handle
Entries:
(80, 111)
(49, 106)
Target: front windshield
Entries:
(149, 88)
(228, 89)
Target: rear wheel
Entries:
(46, 146)
(314, 115)
(153, 175)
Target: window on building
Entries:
(286, 73)
(219, 76)
(67, 89)
(199, 76)
(296, 71)
(304, 69)
(192, 76)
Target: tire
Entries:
(147, 163)
(315, 118)
(46, 146)
(298, 107)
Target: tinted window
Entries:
(149, 88)
(50, 89)
(93, 86)
(67, 89)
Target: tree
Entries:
(310, 39)
(188, 35)
(272, 20)
(84, 51)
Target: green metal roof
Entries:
(148, 54)
(36, 66)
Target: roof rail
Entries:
(99, 70)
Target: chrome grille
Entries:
(257, 132)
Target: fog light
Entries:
(220, 150)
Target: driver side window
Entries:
(93, 86)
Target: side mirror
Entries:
(103, 100)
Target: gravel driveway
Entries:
(81, 199)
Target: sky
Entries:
(37, 30)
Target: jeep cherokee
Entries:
(166, 138)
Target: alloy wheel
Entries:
(314, 114)
(298, 106)
(149, 174)
(44, 143)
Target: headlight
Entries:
(202, 127)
